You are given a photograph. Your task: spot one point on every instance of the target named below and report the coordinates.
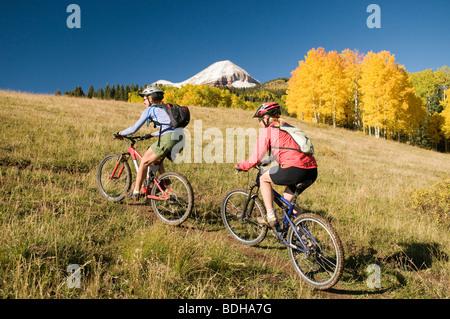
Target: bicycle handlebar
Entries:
(264, 163)
(138, 138)
(133, 139)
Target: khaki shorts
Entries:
(166, 144)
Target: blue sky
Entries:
(144, 41)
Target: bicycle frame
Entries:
(280, 200)
(135, 155)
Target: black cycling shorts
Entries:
(291, 176)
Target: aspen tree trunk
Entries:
(357, 115)
(334, 114)
(316, 120)
(363, 125)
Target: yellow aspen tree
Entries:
(404, 110)
(372, 91)
(225, 98)
(192, 95)
(391, 93)
(395, 98)
(424, 83)
(170, 96)
(446, 117)
(434, 128)
(316, 60)
(352, 67)
(336, 86)
(300, 99)
(305, 87)
(292, 92)
(412, 111)
(389, 104)
(442, 79)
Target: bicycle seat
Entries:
(303, 185)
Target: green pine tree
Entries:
(117, 97)
(100, 94)
(78, 91)
(91, 92)
(127, 92)
(107, 92)
(122, 93)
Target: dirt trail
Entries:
(259, 254)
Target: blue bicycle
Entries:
(314, 247)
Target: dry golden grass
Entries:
(51, 214)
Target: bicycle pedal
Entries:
(134, 196)
(263, 221)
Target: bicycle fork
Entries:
(248, 208)
(123, 157)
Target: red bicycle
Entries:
(170, 193)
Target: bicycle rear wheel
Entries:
(244, 229)
(176, 209)
(113, 178)
(322, 265)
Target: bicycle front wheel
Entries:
(322, 263)
(176, 208)
(244, 228)
(113, 178)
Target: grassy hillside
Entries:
(52, 215)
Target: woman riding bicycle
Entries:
(166, 141)
(293, 166)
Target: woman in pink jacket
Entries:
(293, 166)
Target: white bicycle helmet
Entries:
(154, 92)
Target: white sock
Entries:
(271, 214)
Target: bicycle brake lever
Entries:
(265, 162)
(117, 136)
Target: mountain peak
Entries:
(221, 73)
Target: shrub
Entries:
(433, 200)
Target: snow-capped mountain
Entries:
(222, 73)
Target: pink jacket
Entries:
(273, 138)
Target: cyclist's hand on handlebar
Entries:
(237, 168)
(117, 136)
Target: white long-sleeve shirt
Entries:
(151, 114)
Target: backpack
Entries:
(179, 116)
(304, 143)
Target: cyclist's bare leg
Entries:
(265, 187)
(149, 158)
(266, 190)
(288, 195)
